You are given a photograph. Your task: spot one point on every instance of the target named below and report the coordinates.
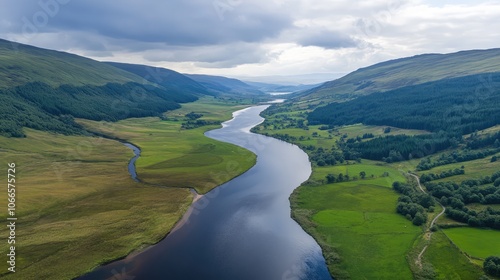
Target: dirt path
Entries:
(428, 232)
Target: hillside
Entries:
(44, 90)
(171, 80)
(459, 105)
(267, 87)
(403, 72)
(223, 85)
(21, 64)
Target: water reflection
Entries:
(242, 229)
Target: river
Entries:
(241, 229)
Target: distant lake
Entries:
(279, 93)
(242, 229)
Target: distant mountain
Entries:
(223, 85)
(171, 80)
(21, 64)
(403, 72)
(267, 88)
(45, 89)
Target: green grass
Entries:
(474, 169)
(175, 157)
(355, 130)
(77, 205)
(477, 243)
(213, 109)
(20, 64)
(377, 169)
(356, 222)
(447, 260)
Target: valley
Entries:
(398, 170)
(78, 202)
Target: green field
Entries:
(175, 157)
(77, 206)
(356, 222)
(477, 243)
(474, 169)
(374, 172)
(448, 261)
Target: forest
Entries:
(456, 196)
(458, 106)
(43, 107)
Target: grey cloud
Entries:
(211, 56)
(175, 22)
(326, 39)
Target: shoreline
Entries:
(185, 212)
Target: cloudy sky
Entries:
(253, 37)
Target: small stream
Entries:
(131, 163)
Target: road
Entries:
(428, 231)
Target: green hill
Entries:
(21, 64)
(170, 80)
(403, 72)
(44, 90)
(459, 105)
(223, 85)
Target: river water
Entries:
(240, 230)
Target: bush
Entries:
(492, 266)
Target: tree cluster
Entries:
(457, 196)
(454, 157)
(413, 204)
(476, 142)
(427, 177)
(468, 191)
(492, 266)
(332, 178)
(396, 148)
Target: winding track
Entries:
(428, 231)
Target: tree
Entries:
(419, 219)
(340, 177)
(330, 178)
(362, 174)
(492, 266)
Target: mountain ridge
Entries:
(401, 72)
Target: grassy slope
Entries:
(407, 71)
(78, 207)
(357, 221)
(195, 161)
(21, 64)
(448, 261)
(477, 243)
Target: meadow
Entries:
(448, 261)
(77, 206)
(355, 223)
(476, 242)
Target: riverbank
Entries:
(79, 208)
(354, 220)
(349, 206)
(253, 207)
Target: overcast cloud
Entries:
(253, 38)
